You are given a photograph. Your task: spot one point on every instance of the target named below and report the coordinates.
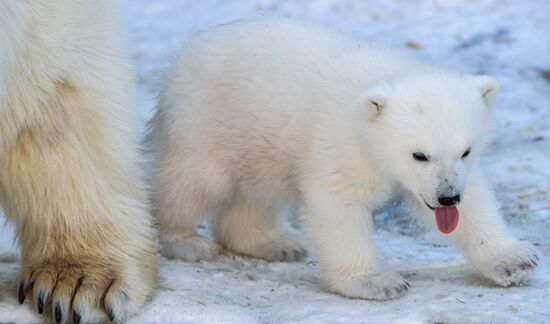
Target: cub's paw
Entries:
(377, 286)
(514, 265)
(286, 248)
(193, 248)
(279, 250)
(77, 293)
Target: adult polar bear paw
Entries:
(378, 286)
(92, 292)
(512, 265)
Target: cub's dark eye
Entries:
(466, 153)
(420, 157)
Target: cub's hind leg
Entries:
(258, 230)
(183, 197)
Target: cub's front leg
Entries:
(483, 236)
(341, 230)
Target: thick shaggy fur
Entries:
(258, 115)
(68, 174)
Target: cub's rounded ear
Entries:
(487, 87)
(373, 102)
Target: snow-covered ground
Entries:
(505, 38)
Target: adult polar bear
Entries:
(68, 175)
(258, 114)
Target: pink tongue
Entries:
(446, 219)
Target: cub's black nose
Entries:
(449, 201)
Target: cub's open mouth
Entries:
(430, 207)
(446, 218)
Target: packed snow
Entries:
(504, 38)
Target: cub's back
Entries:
(251, 90)
(245, 87)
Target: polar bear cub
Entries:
(258, 115)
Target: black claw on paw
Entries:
(534, 262)
(76, 317)
(21, 292)
(58, 316)
(508, 273)
(40, 303)
(110, 313)
(526, 265)
(408, 284)
(523, 266)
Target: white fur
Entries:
(257, 115)
(69, 179)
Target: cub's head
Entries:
(426, 131)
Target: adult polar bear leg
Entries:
(81, 219)
(341, 231)
(68, 174)
(257, 229)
